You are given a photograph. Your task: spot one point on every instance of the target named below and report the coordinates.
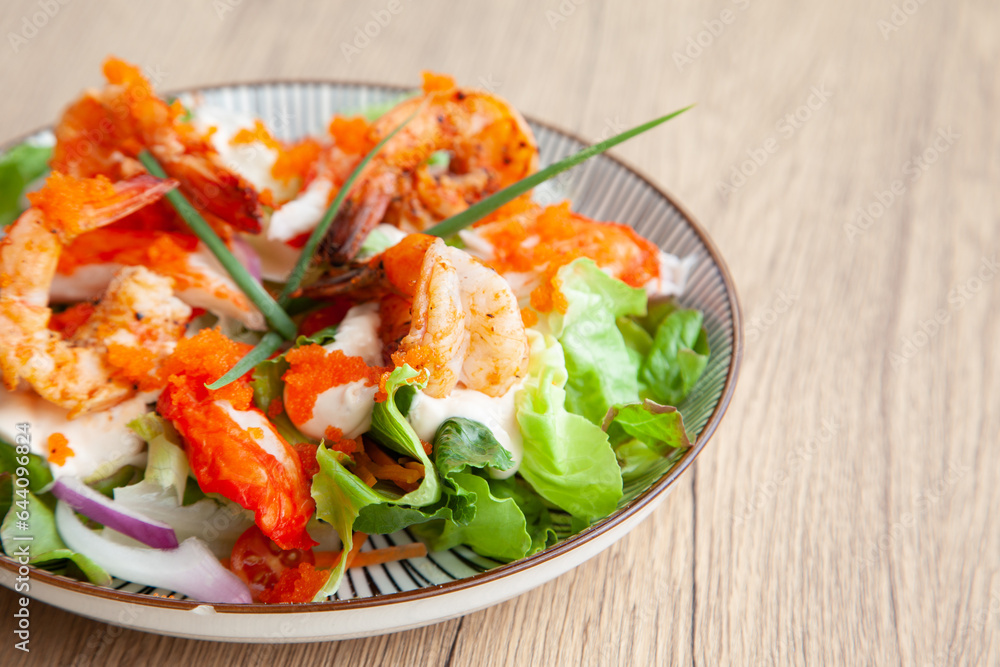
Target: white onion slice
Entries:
(114, 515)
(190, 569)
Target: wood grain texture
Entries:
(842, 513)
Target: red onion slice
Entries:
(190, 569)
(115, 516)
(248, 257)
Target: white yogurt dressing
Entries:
(498, 414)
(101, 441)
(348, 407)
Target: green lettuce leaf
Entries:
(676, 359)
(340, 495)
(39, 474)
(470, 513)
(498, 529)
(18, 168)
(567, 459)
(643, 434)
(538, 520)
(30, 526)
(166, 463)
(601, 370)
(461, 443)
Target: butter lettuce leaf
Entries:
(568, 460)
(601, 371)
(676, 359)
(642, 434)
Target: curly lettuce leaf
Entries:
(498, 529)
(567, 459)
(601, 370)
(461, 443)
(19, 166)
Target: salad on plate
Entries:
(227, 358)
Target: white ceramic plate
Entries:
(409, 594)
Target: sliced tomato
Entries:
(260, 563)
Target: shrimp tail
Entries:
(361, 212)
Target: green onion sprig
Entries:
(272, 312)
(270, 343)
(486, 206)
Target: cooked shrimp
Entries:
(103, 132)
(466, 326)
(87, 265)
(489, 145)
(117, 349)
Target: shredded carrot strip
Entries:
(328, 559)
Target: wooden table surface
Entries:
(845, 157)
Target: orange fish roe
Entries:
(312, 370)
(59, 449)
(434, 82)
(333, 434)
(258, 133)
(256, 432)
(351, 135)
(307, 457)
(71, 319)
(295, 160)
(535, 237)
(134, 365)
(298, 584)
(275, 408)
(63, 198)
(529, 317)
(129, 247)
(203, 359)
